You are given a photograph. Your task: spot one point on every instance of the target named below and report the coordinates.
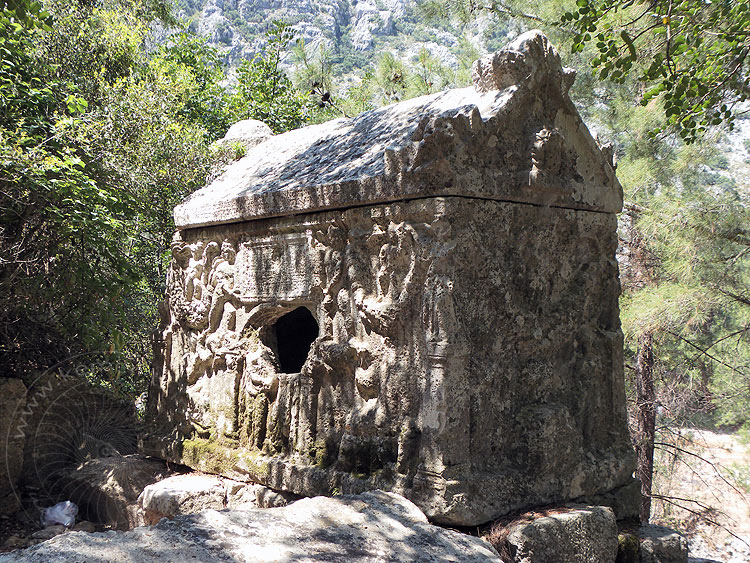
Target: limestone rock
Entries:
(628, 548)
(14, 542)
(522, 142)
(625, 500)
(372, 527)
(241, 496)
(68, 422)
(369, 21)
(662, 545)
(181, 494)
(49, 532)
(421, 299)
(571, 536)
(84, 526)
(530, 60)
(248, 132)
(12, 402)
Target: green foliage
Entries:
(195, 69)
(92, 44)
(264, 90)
(359, 97)
(428, 75)
(691, 54)
(695, 303)
(391, 78)
(58, 224)
(99, 141)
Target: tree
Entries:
(265, 92)
(694, 54)
(57, 223)
(391, 77)
(428, 75)
(686, 322)
(205, 101)
(99, 140)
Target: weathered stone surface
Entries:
(12, 400)
(524, 142)
(373, 527)
(242, 496)
(84, 526)
(450, 382)
(248, 132)
(628, 548)
(576, 535)
(625, 500)
(106, 490)
(662, 545)
(463, 351)
(49, 532)
(181, 494)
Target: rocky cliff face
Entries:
(237, 27)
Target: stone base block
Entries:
(565, 535)
(662, 545)
(181, 494)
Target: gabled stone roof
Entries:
(512, 136)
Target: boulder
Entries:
(372, 527)
(49, 532)
(563, 535)
(248, 132)
(69, 422)
(662, 545)
(181, 494)
(12, 438)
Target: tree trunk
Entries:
(645, 420)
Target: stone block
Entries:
(106, 490)
(662, 545)
(242, 496)
(575, 535)
(181, 494)
(374, 527)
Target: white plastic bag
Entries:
(62, 513)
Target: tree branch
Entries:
(705, 352)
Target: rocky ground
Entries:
(715, 478)
(712, 476)
(375, 526)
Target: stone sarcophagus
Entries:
(421, 299)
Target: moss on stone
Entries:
(209, 456)
(322, 453)
(628, 548)
(223, 458)
(253, 463)
(257, 420)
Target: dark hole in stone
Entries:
(295, 331)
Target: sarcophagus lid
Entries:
(512, 136)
